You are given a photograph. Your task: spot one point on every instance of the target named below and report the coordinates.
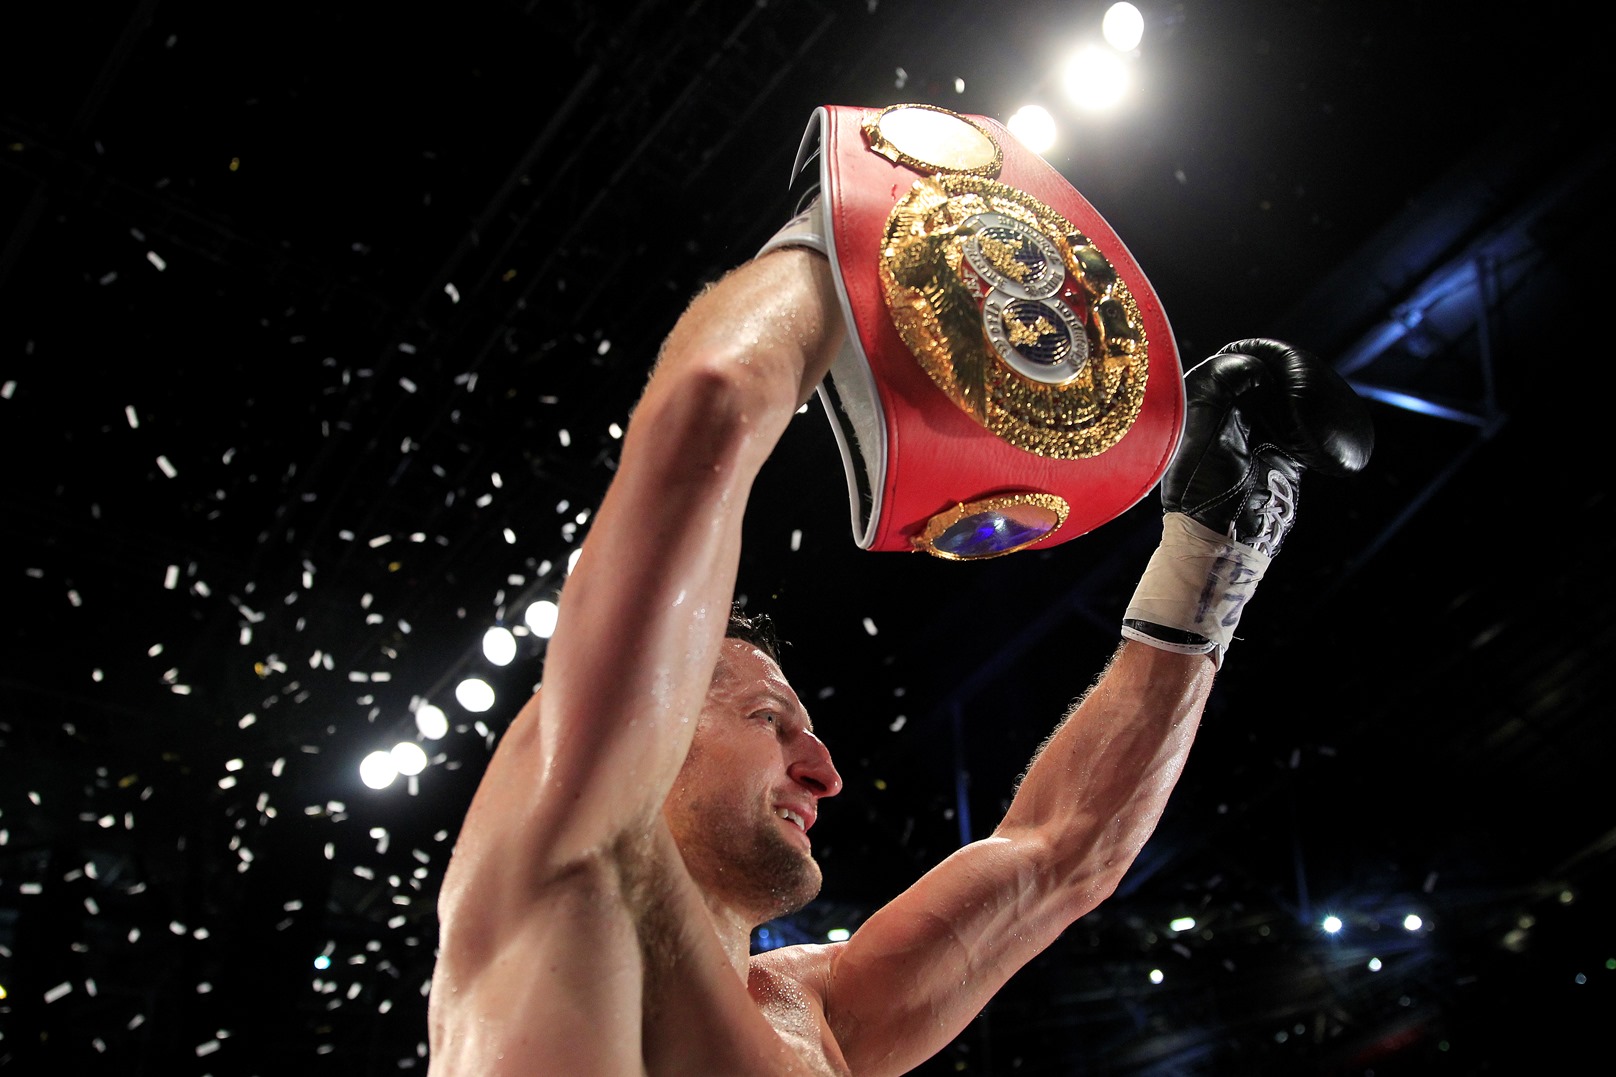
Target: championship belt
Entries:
(1010, 381)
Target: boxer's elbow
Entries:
(1074, 872)
(714, 411)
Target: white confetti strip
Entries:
(58, 991)
(157, 260)
(168, 468)
(129, 414)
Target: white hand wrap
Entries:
(1197, 582)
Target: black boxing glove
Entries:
(1257, 415)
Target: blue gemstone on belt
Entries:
(984, 534)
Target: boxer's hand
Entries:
(1258, 414)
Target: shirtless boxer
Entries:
(652, 804)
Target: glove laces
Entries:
(1275, 514)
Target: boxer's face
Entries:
(750, 788)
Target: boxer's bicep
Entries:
(924, 965)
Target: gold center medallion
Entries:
(1015, 314)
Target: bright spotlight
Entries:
(378, 770)
(475, 694)
(1412, 922)
(1123, 27)
(1157, 976)
(1095, 78)
(431, 721)
(1183, 923)
(1332, 924)
(499, 646)
(408, 758)
(838, 934)
(1034, 126)
(541, 618)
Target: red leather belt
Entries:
(1014, 382)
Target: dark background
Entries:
(231, 365)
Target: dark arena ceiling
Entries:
(318, 322)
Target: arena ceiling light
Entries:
(408, 758)
(475, 694)
(1034, 126)
(541, 617)
(432, 723)
(1095, 78)
(1123, 27)
(499, 646)
(378, 770)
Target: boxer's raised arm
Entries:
(916, 973)
(644, 610)
(1260, 414)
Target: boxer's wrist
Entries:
(1193, 591)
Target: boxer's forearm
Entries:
(1099, 784)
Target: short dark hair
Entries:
(754, 628)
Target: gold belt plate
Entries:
(1016, 315)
